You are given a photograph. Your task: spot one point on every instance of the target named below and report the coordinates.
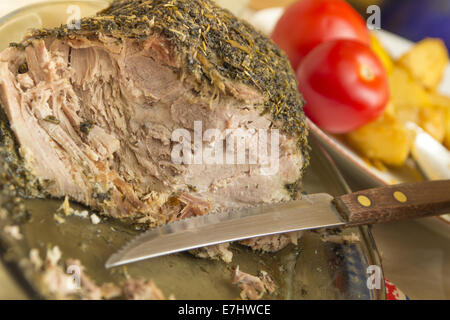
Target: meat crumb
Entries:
(193, 206)
(53, 256)
(268, 281)
(67, 210)
(110, 291)
(95, 219)
(55, 281)
(72, 282)
(65, 207)
(59, 219)
(89, 289)
(83, 214)
(272, 243)
(216, 252)
(142, 290)
(35, 259)
(253, 287)
(13, 232)
(341, 239)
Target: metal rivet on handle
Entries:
(400, 197)
(364, 201)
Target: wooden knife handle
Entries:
(392, 203)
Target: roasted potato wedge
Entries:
(443, 103)
(411, 102)
(384, 139)
(407, 96)
(432, 120)
(426, 62)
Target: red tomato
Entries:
(308, 23)
(344, 84)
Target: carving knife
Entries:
(379, 205)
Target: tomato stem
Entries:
(366, 73)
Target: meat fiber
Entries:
(216, 252)
(90, 113)
(253, 287)
(58, 283)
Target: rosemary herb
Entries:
(293, 189)
(14, 173)
(23, 68)
(86, 126)
(192, 188)
(102, 196)
(51, 119)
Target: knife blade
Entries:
(385, 204)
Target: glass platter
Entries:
(311, 270)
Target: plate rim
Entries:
(372, 252)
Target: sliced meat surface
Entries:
(99, 113)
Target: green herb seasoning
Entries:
(192, 188)
(102, 196)
(293, 189)
(86, 126)
(52, 119)
(13, 171)
(23, 68)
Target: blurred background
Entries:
(412, 19)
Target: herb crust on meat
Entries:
(215, 62)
